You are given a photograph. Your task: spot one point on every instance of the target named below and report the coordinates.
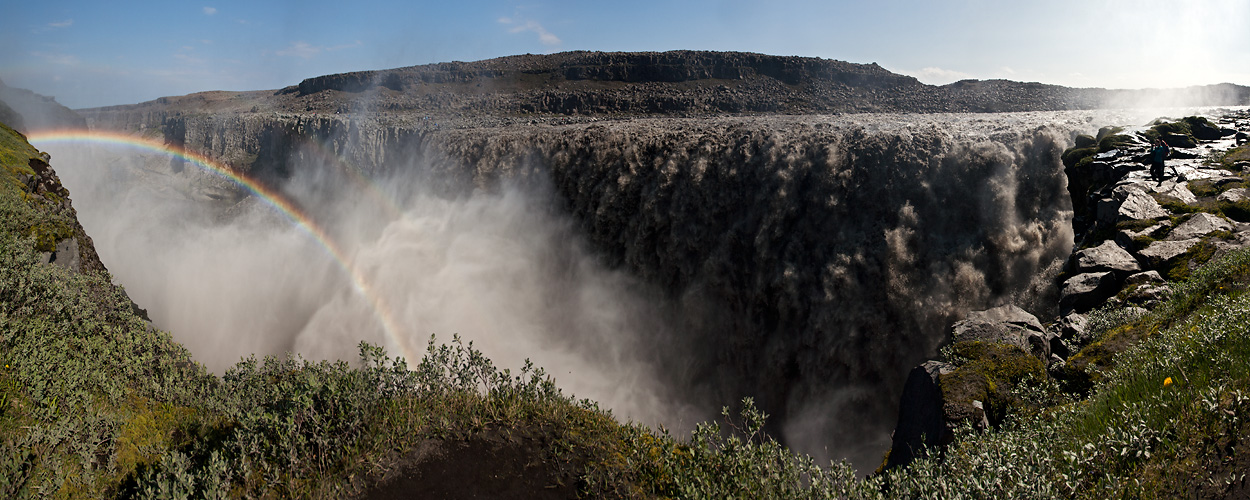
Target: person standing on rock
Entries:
(1158, 154)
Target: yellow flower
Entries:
(1167, 381)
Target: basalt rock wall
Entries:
(811, 260)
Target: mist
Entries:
(231, 277)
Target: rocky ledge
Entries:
(1134, 237)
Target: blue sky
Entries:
(94, 53)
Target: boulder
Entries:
(1225, 180)
(1204, 131)
(1083, 292)
(1160, 252)
(1145, 277)
(1148, 294)
(1005, 325)
(1176, 140)
(1233, 195)
(1072, 333)
(1056, 364)
(1199, 225)
(1126, 238)
(1103, 173)
(1106, 257)
(1135, 205)
(1222, 247)
(921, 416)
(1177, 191)
(65, 255)
(1085, 141)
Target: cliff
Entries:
(1143, 240)
(580, 85)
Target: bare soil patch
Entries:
(496, 464)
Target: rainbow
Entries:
(354, 173)
(269, 196)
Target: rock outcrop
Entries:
(58, 234)
(70, 247)
(922, 424)
(1135, 235)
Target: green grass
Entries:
(1228, 159)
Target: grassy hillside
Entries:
(96, 403)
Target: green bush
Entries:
(1074, 155)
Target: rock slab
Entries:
(1086, 291)
(1160, 252)
(921, 419)
(1201, 224)
(1106, 257)
(1005, 325)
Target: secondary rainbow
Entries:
(269, 196)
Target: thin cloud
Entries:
(59, 59)
(938, 76)
(63, 24)
(188, 58)
(305, 50)
(300, 49)
(544, 36)
(210, 10)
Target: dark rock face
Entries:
(1205, 131)
(628, 82)
(1132, 204)
(1178, 141)
(922, 423)
(76, 253)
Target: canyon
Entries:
(797, 230)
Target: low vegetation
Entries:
(94, 402)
